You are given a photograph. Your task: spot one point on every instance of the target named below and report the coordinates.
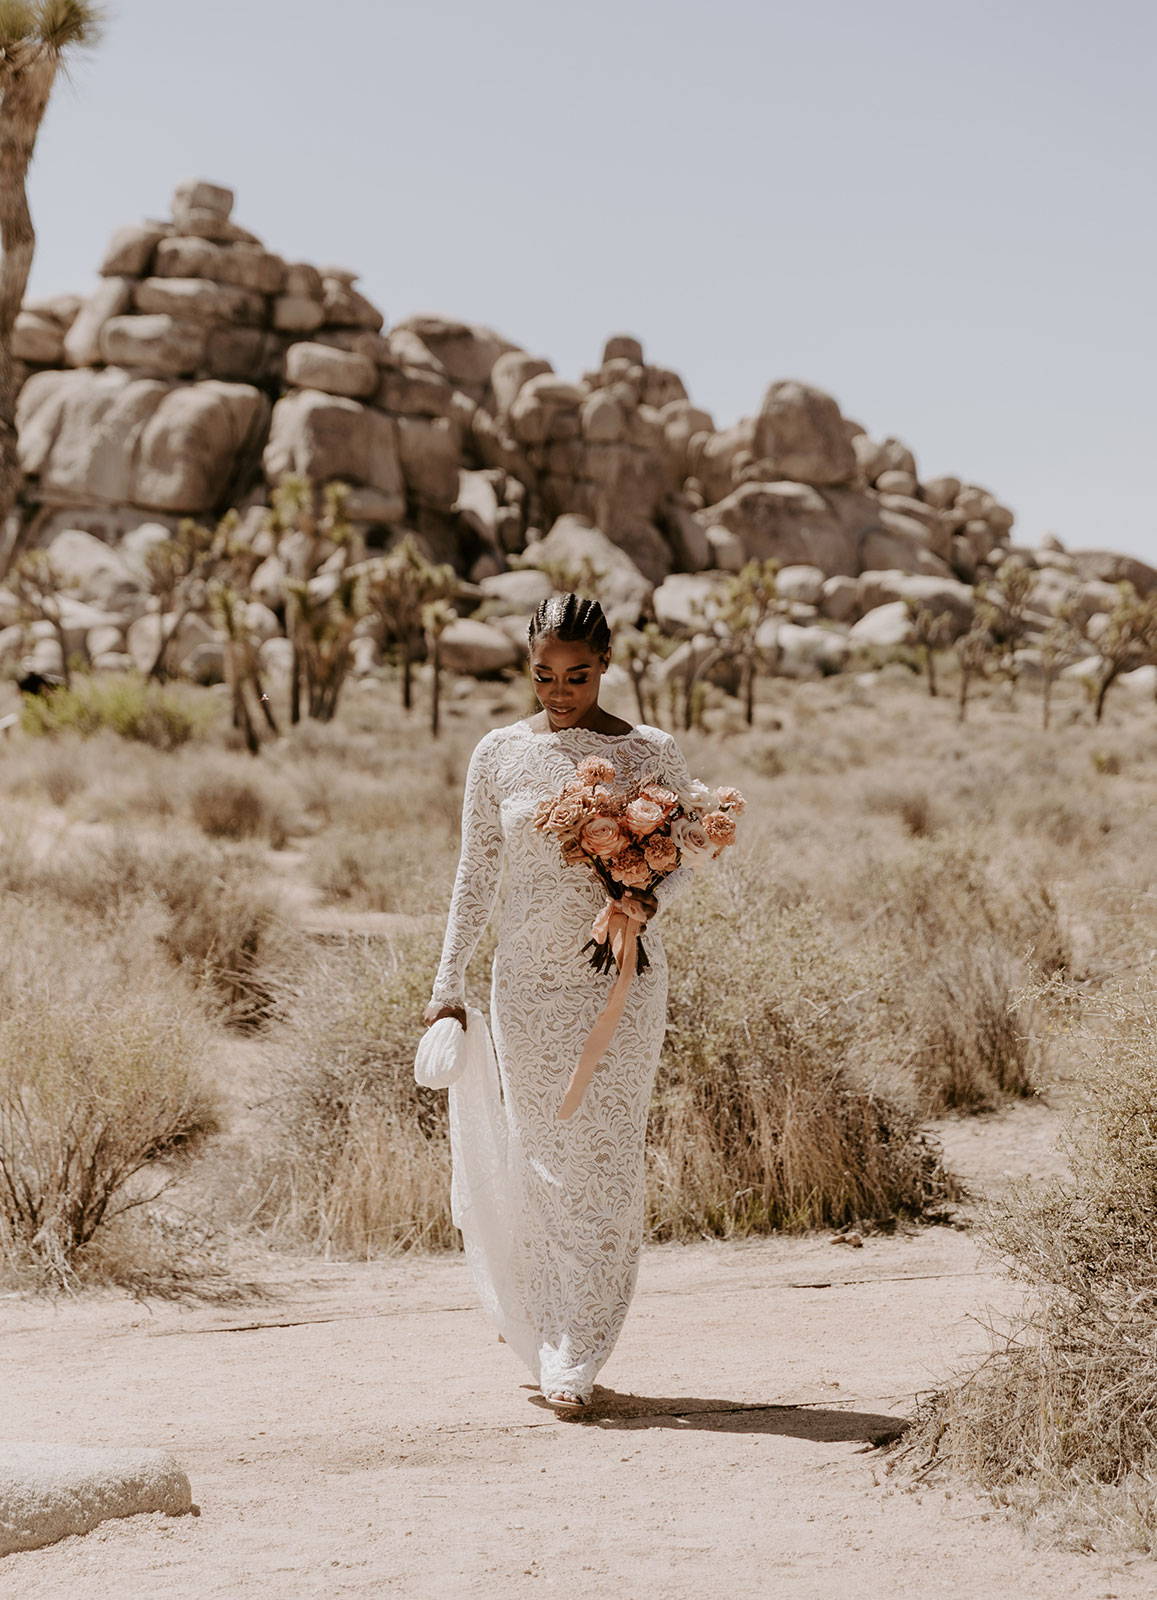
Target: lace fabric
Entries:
(551, 1212)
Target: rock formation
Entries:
(204, 369)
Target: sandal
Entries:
(564, 1400)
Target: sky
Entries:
(941, 213)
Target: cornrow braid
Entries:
(573, 620)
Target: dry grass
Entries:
(1060, 1421)
(358, 1160)
(101, 1092)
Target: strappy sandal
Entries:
(564, 1400)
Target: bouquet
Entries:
(629, 839)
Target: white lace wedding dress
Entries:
(551, 1212)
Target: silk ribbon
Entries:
(621, 927)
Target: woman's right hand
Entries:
(434, 1013)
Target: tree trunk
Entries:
(962, 701)
(930, 667)
(749, 691)
(407, 675)
(25, 85)
(436, 693)
(1046, 700)
(1104, 684)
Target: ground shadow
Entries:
(821, 1424)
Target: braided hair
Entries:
(574, 620)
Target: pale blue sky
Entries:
(942, 213)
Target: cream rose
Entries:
(695, 847)
(731, 800)
(643, 816)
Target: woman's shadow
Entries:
(821, 1424)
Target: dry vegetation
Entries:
(921, 919)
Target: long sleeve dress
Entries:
(551, 1212)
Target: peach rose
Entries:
(667, 798)
(695, 847)
(631, 869)
(731, 800)
(661, 853)
(719, 827)
(602, 836)
(566, 814)
(595, 770)
(643, 816)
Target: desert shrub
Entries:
(234, 805)
(978, 1039)
(100, 1088)
(1060, 1420)
(914, 807)
(394, 870)
(207, 909)
(765, 1113)
(358, 1159)
(164, 716)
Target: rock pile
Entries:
(204, 369)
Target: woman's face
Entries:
(566, 678)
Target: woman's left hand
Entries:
(639, 904)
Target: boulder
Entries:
(413, 392)
(241, 355)
(840, 599)
(538, 405)
(686, 601)
(205, 663)
(37, 340)
(1089, 598)
(939, 595)
(112, 439)
(130, 250)
(327, 437)
(275, 656)
(317, 366)
(1051, 589)
(790, 522)
(96, 571)
(517, 593)
(430, 458)
(105, 639)
(465, 352)
(572, 542)
(941, 492)
(895, 482)
(900, 543)
(687, 539)
(346, 308)
(82, 341)
(161, 346)
(296, 313)
(1105, 566)
(198, 300)
(799, 432)
(510, 371)
(884, 625)
(134, 546)
(726, 547)
(245, 266)
(623, 347)
(800, 582)
(144, 637)
(189, 451)
(196, 194)
(1143, 679)
(801, 652)
(477, 648)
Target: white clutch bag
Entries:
(447, 1050)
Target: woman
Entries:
(551, 1210)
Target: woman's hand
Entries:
(434, 1013)
(639, 904)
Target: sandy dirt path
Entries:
(364, 1434)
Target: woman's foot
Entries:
(564, 1399)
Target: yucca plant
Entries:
(401, 586)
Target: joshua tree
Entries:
(973, 655)
(179, 570)
(402, 584)
(1128, 639)
(38, 588)
(242, 672)
(36, 37)
(1006, 596)
(310, 531)
(749, 600)
(436, 618)
(1055, 648)
(930, 633)
(639, 649)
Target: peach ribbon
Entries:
(622, 929)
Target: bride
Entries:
(551, 1210)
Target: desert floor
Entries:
(359, 1431)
